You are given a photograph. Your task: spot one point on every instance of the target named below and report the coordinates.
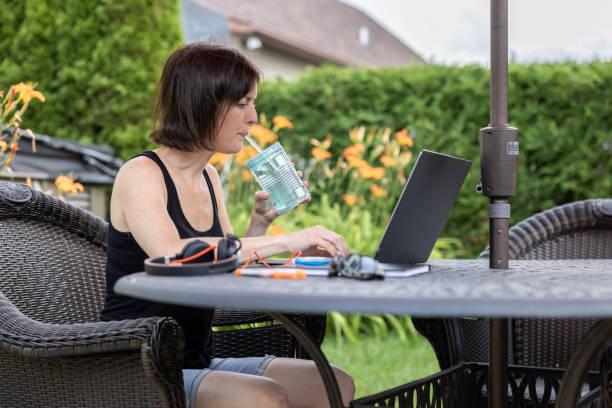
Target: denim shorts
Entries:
(246, 365)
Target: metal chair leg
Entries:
(574, 376)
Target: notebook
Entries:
(418, 217)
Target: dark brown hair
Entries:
(198, 84)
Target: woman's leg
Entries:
(234, 390)
(303, 384)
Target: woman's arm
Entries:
(262, 216)
(138, 205)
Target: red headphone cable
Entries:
(202, 252)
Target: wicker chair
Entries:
(579, 230)
(53, 349)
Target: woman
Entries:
(163, 199)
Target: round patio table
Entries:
(452, 288)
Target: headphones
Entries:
(197, 258)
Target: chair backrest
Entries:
(578, 230)
(53, 256)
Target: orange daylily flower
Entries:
(355, 161)
(27, 92)
(377, 191)
(403, 138)
(66, 184)
(350, 199)
(276, 230)
(10, 103)
(354, 150)
(219, 158)
(14, 149)
(375, 173)
(388, 161)
(320, 154)
(281, 122)
(263, 134)
(3, 145)
(246, 174)
(246, 153)
(325, 144)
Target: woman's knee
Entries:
(345, 383)
(226, 389)
(269, 393)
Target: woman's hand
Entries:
(263, 215)
(317, 241)
(263, 210)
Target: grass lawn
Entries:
(380, 363)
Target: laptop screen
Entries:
(422, 209)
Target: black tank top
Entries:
(124, 256)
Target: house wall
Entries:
(272, 62)
(204, 24)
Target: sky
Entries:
(458, 31)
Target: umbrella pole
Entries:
(498, 169)
(499, 142)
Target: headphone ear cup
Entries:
(194, 247)
(222, 250)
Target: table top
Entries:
(560, 288)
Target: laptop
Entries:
(420, 213)
(418, 217)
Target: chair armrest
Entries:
(37, 339)
(145, 353)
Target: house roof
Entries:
(319, 30)
(88, 163)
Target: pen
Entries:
(273, 273)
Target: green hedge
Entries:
(97, 62)
(563, 112)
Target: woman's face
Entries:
(236, 124)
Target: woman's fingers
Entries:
(341, 245)
(318, 241)
(338, 242)
(327, 247)
(333, 242)
(317, 252)
(262, 195)
(322, 252)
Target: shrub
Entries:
(96, 61)
(562, 112)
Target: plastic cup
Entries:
(275, 174)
